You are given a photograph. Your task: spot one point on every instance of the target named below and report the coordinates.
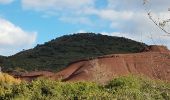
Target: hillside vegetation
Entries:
(2, 59)
(122, 88)
(57, 53)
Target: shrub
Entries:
(122, 88)
(137, 88)
(6, 84)
(7, 79)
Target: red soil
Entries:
(29, 76)
(154, 62)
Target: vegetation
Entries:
(6, 85)
(7, 79)
(2, 59)
(58, 53)
(122, 88)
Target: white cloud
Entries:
(127, 17)
(114, 15)
(137, 5)
(81, 31)
(57, 4)
(6, 1)
(78, 20)
(70, 11)
(159, 5)
(13, 38)
(135, 23)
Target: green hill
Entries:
(57, 53)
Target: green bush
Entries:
(122, 88)
(138, 88)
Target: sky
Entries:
(26, 23)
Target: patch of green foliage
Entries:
(58, 53)
(122, 88)
(2, 59)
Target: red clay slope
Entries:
(154, 63)
(29, 76)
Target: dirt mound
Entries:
(156, 48)
(29, 76)
(155, 64)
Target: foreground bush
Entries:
(139, 88)
(122, 88)
(6, 85)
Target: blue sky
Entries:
(26, 23)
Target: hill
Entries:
(58, 53)
(155, 63)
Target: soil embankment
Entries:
(153, 62)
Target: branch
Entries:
(150, 17)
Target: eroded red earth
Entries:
(153, 62)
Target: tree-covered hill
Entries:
(57, 53)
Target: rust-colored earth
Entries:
(153, 62)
